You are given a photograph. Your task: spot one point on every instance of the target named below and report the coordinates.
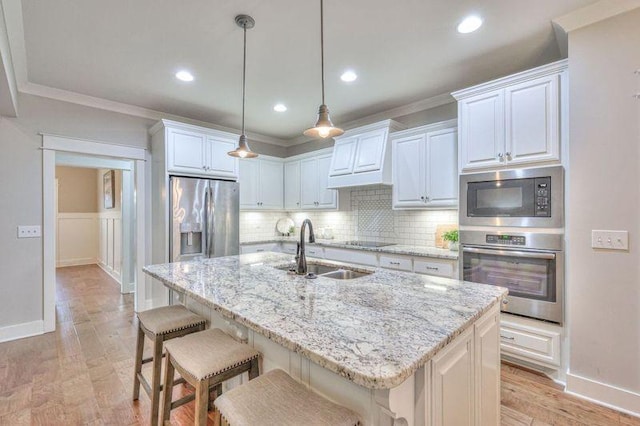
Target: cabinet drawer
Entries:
(258, 248)
(351, 256)
(535, 344)
(289, 248)
(314, 252)
(398, 263)
(441, 269)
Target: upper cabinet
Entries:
(515, 120)
(262, 184)
(362, 156)
(306, 182)
(425, 167)
(193, 150)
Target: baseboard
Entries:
(109, 271)
(19, 331)
(76, 262)
(601, 393)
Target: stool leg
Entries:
(254, 370)
(138, 368)
(155, 380)
(169, 372)
(202, 402)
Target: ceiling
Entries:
(403, 51)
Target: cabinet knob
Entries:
(508, 155)
(500, 155)
(422, 198)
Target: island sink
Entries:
(327, 271)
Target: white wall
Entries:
(603, 296)
(21, 190)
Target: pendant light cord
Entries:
(322, 46)
(244, 72)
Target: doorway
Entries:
(130, 162)
(93, 215)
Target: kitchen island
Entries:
(398, 348)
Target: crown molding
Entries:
(422, 105)
(595, 12)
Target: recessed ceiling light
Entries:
(184, 75)
(469, 24)
(349, 76)
(280, 107)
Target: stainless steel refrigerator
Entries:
(205, 218)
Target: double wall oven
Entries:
(511, 235)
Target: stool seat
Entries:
(274, 398)
(209, 353)
(168, 319)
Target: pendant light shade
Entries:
(324, 128)
(245, 22)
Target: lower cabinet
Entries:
(529, 340)
(259, 248)
(464, 377)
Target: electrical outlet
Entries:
(610, 240)
(29, 231)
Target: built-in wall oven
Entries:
(522, 198)
(530, 265)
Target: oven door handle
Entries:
(511, 253)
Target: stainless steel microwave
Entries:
(524, 197)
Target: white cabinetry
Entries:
(292, 185)
(487, 370)
(261, 184)
(515, 120)
(314, 191)
(362, 156)
(198, 151)
(259, 248)
(425, 167)
(529, 340)
(452, 383)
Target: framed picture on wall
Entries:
(108, 180)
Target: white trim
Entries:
(133, 110)
(116, 277)
(83, 146)
(143, 280)
(79, 160)
(392, 126)
(19, 331)
(9, 101)
(49, 237)
(77, 262)
(316, 153)
(500, 83)
(441, 125)
(593, 13)
(603, 394)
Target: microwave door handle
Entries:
(511, 253)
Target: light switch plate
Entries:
(29, 231)
(610, 240)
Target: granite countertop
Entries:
(402, 249)
(375, 330)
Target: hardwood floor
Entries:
(82, 373)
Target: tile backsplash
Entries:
(368, 217)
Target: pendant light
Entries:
(324, 127)
(245, 22)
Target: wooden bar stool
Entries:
(160, 325)
(205, 360)
(276, 399)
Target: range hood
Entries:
(362, 156)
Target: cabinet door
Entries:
(408, 172)
(370, 151)
(249, 189)
(481, 122)
(219, 163)
(271, 184)
(442, 168)
(487, 370)
(344, 152)
(327, 198)
(452, 389)
(309, 183)
(292, 185)
(532, 125)
(186, 151)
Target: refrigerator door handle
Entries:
(210, 206)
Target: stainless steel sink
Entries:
(315, 270)
(345, 274)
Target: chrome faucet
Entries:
(300, 256)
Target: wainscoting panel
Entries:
(77, 239)
(110, 242)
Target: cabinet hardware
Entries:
(432, 268)
(500, 155)
(507, 337)
(394, 263)
(507, 155)
(258, 250)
